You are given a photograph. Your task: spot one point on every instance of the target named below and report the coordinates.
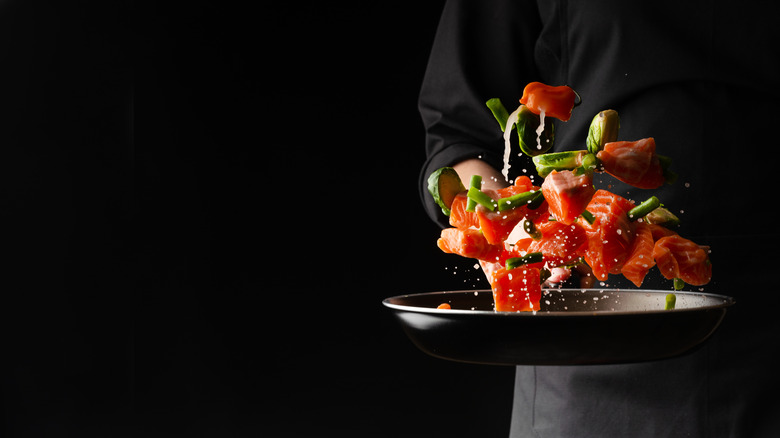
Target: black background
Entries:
(66, 198)
(204, 206)
(285, 197)
(282, 195)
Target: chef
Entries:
(702, 79)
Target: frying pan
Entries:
(572, 326)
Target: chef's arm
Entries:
(491, 178)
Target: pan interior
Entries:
(568, 301)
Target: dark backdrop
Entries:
(282, 197)
(66, 309)
(223, 278)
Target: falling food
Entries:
(566, 222)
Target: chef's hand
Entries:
(491, 178)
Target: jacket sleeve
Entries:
(482, 50)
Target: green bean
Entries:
(481, 198)
(671, 300)
(518, 200)
(531, 229)
(531, 257)
(644, 208)
(476, 182)
(499, 112)
(588, 216)
(567, 160)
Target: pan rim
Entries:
(727, 301)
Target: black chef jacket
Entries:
(703, 79)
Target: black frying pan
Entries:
(573, 326)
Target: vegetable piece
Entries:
(475, 183)
(567, 160)
(663, 217)
(532, 142)
(519, 200)
(677, 257)
(444, 184)
(516, 290)
(537, 202)
(530, 258)
(603, 129)
(482, 198)
(644, 208)
(497, 225)
(671, 300)
(555, 102)
(530, 228)
(511, 120)
(633, 162)
(588, 216)
(567, 194)
(499, 112)
(444, 306)
(589, 164)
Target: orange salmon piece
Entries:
(633, 162)
(659, 231)
(556, 102)
(497, 225)
(610, 235)
(567, 195)
(640, 255)
(560, 243)
(516, 290)
(459, 217)
(678, 257)
(468, 243)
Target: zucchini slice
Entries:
(444, 184)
